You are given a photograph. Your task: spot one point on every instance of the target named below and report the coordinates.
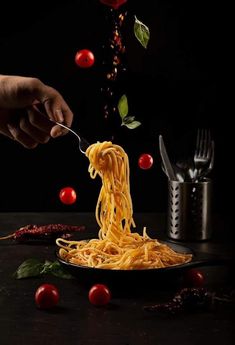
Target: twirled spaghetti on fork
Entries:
(116, 247)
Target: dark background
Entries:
(175, 86)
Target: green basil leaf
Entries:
(128, 119)
(58, 271)
(29, 268)
(142, 32)
(133, 124)
(123, 106)
(35, 268)
(47, 267)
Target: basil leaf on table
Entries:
(34, 268)
(58, 271)
(29, 268)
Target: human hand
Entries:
(28, 108)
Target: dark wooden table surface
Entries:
(123, 321)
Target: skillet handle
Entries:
(207, 259)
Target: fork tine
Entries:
(199, 143)
(202, 142)
(203, 151)
(207, 144)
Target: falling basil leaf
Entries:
(142, 32)
(128, 119)
(133, 124)
(35, 268)
(123, 106)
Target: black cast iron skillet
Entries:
(144, 278)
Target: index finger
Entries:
(56, 107)
(58, 110)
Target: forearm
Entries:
(17, 92)
(3, 111)
(3, 81)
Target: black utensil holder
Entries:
(189, 210)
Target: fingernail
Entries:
(11, 128)
(57, 133)
(59, 115)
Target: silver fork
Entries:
(212, 159)
(83, 143)
(203, 151)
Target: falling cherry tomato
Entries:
(67, 195)
(145, 161)
(113, 3)
(99, 295)
(46, 296)
(84, 58)
(194, 278)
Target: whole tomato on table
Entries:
(194, 278)
(99, 295)
(46, 296)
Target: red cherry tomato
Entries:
(99, 295)
(145, 161)
(46, 296)
(113, 3)
(68, 195)
(194, 278)
(84, 58)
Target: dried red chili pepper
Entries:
(43, 232)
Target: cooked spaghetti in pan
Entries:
(117, 246)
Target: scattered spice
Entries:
(186, 300)
(114, 60)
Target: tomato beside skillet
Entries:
(99, 295)
(46, 296)
(194, 278)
